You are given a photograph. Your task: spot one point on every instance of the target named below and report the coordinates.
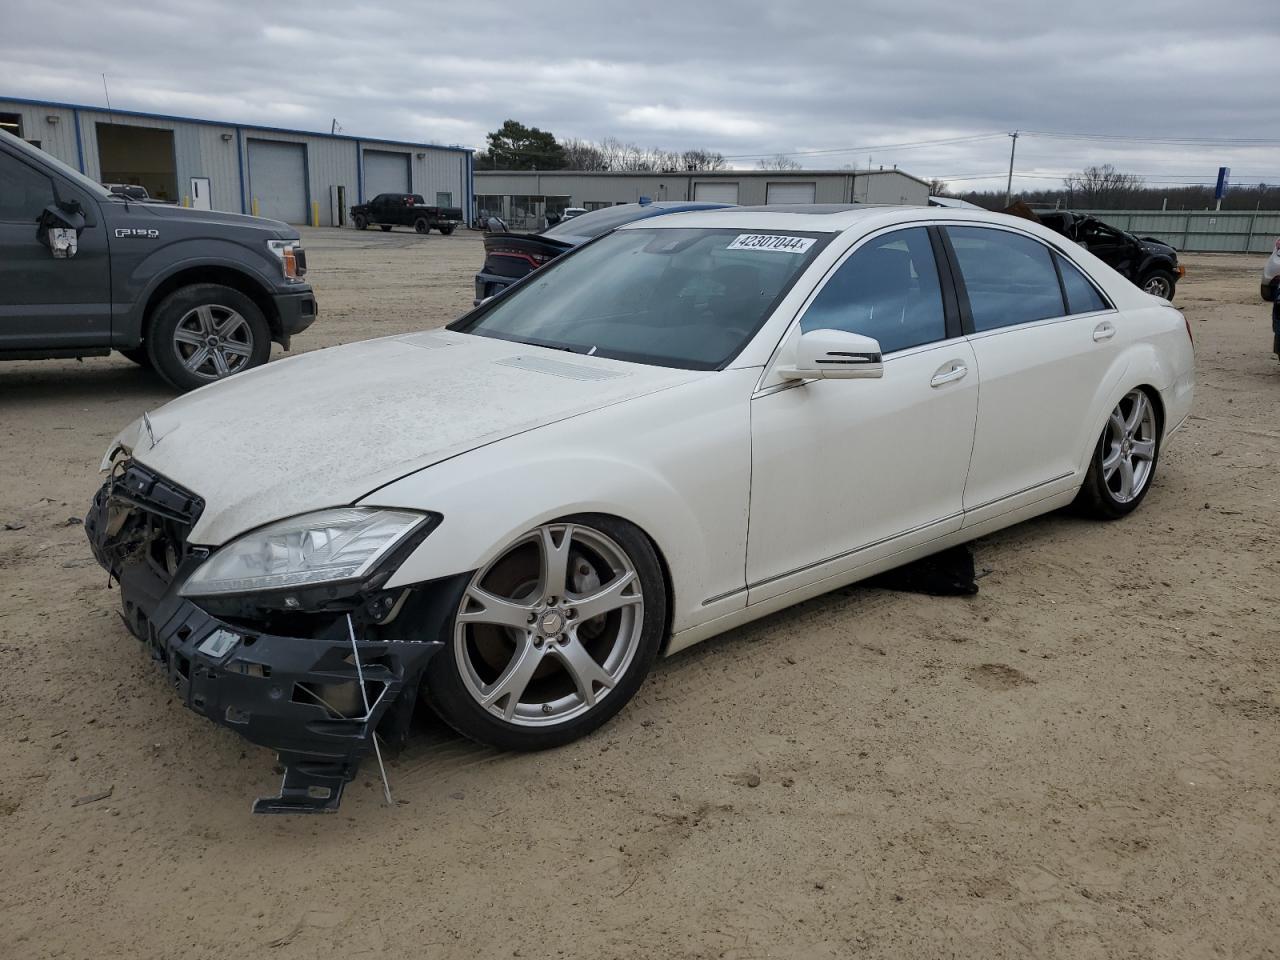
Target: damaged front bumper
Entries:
(291, 683)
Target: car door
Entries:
(46, 303)
(1041, 363)
(844, 472)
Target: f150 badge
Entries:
(137, 232)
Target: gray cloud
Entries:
(750, 78)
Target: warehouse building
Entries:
(524, 199)
(291, 175)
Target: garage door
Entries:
(278, 179)
(790, 192)
(386, 172)
(716, 192)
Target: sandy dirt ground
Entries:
(1082, 761)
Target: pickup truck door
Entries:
(48, 304)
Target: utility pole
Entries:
(1008, 190)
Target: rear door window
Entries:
(1009, 278)
(1082, 296)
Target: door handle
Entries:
(1104, 331)
(948, 372)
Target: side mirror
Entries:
(835, 355)
(60, 228)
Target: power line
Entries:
(1179, 141)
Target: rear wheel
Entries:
(1124, 460)
(206, 332)
(386, 228)
(553, 637)
(446, 230)
(421, 225)
(1159, 282)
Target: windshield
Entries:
(75, 176)
(687, 298)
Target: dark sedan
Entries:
(509, 256)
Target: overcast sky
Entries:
(833, 82)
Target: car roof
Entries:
(826, 218)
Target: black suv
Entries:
(1147, 262)
(196, 294)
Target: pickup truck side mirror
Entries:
(835, 355)
(59, 230)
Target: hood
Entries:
(163, 211)
(1152, 245)
(327, 428)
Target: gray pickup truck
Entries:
(197, 295)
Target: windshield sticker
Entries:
(772, 243)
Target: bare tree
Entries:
(583, 155)
(701, 159)
(779, 161)
(1102, 187)
(937, 188)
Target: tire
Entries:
(445, 230)
(1160, 282)
(421, 226)
(182, 325)
(518, 683)
(360, 222)
(385, 227)
(1110, 491)
(138, 355)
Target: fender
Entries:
(633, 464)
(1139, 365)
(133, 293)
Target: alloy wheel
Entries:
(549, 628)
(213, 341)
(1129, 447)
(1160, 287)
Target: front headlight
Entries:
(293, 262)
(331, 546)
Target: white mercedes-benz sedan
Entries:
(682, 426)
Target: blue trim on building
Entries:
(359, 171)
(224, 123)
(244, 192)
(75, 118)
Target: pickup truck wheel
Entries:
(1159, 282)
(360, 222)
(445, 230)
(138, 355)
(204, 333)
(385, 228)
(421, 225)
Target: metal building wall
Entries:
(220, 152)
(58, 138)
(876, 186)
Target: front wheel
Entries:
(385, 228)
(421, 226)
(360, 222)
(1159, 282)
(138, 355)
(553, 637)
(446, 230)
(206, 332)
(1124, 460)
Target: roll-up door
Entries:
(716, 191)
(386, 172)
(278, 179)
(790, 192)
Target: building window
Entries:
(444, 198)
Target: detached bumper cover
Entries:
(298, 695)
